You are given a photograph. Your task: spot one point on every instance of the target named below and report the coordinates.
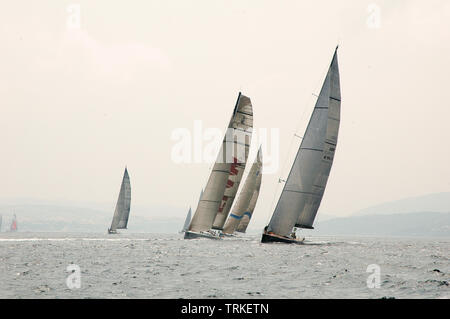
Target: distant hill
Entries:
(427, 215)
(41, 216)
(427, 224)
(437, 202)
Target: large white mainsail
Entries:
(305, 185)
(242, 206)
(122, 211)
(232, 151)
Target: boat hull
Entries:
(267, 238)
(227, 235)
(193, 235)
(111, 231)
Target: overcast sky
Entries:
(78, 104)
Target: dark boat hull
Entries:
(266, 238)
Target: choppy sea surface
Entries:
(34, 265)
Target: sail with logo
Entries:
(304, 188)
(242, 228)
(122, 211)
(251, 207)
(234, 179)
(234, 150)
(246, 202)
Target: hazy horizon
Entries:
(34, 215)
(80, 104)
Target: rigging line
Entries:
(287, 157)
(283, 167)
(300, 123)
(319, 83)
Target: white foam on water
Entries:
(70, 239)
(165, 266)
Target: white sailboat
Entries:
(234, 150)
(246, 202)
(242, 228)
(304, 188)
(251, 207)
(122, 211)
(232, 186)
(187, 221)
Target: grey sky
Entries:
(79, 105)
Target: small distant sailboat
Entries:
(122, 211)
(304, 188)
(234, 151)
(13, 227)
(246, 202)
(187, 221)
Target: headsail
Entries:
(189, 215)
(305, 185)
(122, 212)
(242, 207)
(233, 150)
(251, 207)
(187, 221)
(201, 194)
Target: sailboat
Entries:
(242, 228)
(187, 221)
(13, 227)
(304, 188)
(232, 186)
(122, 211)
(234, 151)
(246, 201)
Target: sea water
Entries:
(67, 265)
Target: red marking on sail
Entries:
(223, 203)
(233, 168)
(229, 184)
